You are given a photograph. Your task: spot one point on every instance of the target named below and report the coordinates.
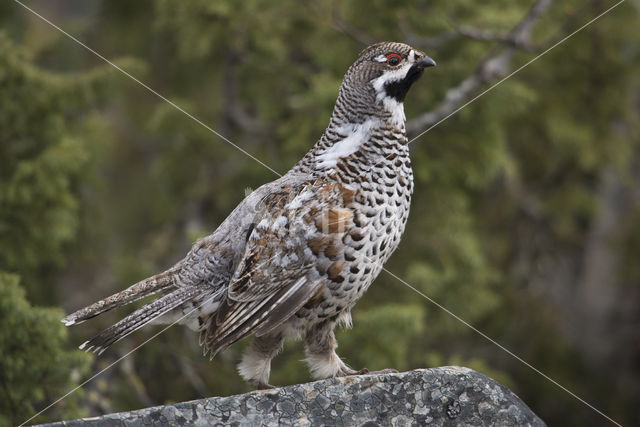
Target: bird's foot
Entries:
(382, 371)
(264, 386)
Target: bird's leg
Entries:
(255, 366)
(320, 348)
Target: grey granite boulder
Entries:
(440, 396)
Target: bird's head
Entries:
(383, 74)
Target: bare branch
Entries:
(491, 68)
(426, 43)
(521, 33)
(482, 34)
(346, 28)
(567, 23)
(458, 32)
(493, 36)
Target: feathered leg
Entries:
(256, 361)
(320, 348)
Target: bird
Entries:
(294, 257)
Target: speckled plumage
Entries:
(296, 254)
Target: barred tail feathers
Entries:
(135, 292)
(140, 318)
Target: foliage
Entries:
(35, 367)
(42, 162)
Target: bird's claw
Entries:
(365, 371)
(264, 386)
(383, 371)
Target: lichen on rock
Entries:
(448, 395)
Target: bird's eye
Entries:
(393, 59)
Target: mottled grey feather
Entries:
(135, 292)
(139, 318)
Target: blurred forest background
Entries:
(525, 220)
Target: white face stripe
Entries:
(391, 105)
(390, 76)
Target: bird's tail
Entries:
(141, 317)
(144, 288)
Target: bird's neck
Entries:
(353, 143)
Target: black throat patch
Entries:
(398, 89)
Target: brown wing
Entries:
(279, 271)
(272, 280)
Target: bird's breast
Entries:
(353, 241)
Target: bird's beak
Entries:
(426, 62)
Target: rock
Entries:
(440, 396)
